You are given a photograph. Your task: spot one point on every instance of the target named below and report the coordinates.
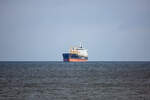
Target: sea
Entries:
(56, 80)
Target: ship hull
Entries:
(68, 57)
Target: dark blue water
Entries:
(75, 81)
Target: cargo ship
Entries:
(76, 54)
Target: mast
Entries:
(81, 46)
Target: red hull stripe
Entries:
(75, 60)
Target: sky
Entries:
(41, 30)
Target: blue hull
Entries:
(73, 57)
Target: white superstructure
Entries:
(79, 50)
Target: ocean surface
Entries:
(75, 81)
